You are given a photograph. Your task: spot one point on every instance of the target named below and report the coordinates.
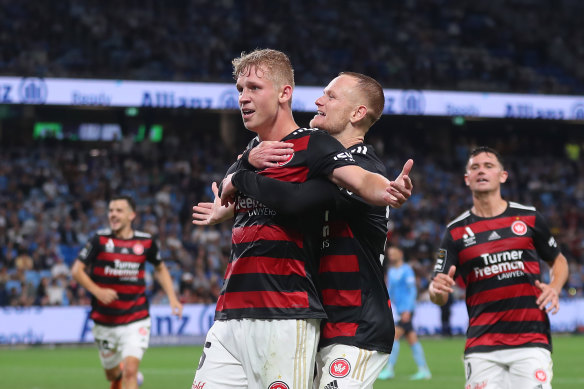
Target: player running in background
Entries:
(111, 267)
(268, 314)
(403, 291)
(357, 337)
(496, 247)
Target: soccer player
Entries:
(268, 314)
(357, 336)
(116, 259)
(401, 282)
(496, 247)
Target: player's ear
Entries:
(466, 179)
(503, 176)
(359, 113)
(285, 93)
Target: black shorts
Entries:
(407, 326)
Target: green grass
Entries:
(174, 367)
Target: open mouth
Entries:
(246, 113)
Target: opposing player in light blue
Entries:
(402, 291)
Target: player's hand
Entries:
(441, 286)
(269, 153)
(177, 308)
(228, 192)
(548, 300)
(106, 296)
(400, 190)
(206, 214)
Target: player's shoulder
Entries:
(513, 206)
(104, 232)
(310, 132)
(142, 234)
(366, 157)
(460, 219)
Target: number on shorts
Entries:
(203, 356)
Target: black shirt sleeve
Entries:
(286, 197)
(543, 240)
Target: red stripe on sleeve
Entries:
(341, 298)
(332, 330)
(238, 300)
(288, 174)
(265, 232)
(339, 263)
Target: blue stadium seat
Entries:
(13, 284)
(33, 277)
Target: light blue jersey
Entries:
(402, 288)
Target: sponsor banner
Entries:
(126, 93)
(47, 325)
(37, 325)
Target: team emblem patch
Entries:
(340, 368)
(138, 249)
(519, 228)
(441, 257)
(278, 385)
(540, 375)
(288, 159)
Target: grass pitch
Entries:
(174, 367)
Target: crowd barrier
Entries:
(53, 325)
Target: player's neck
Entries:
(349, 137)
(126, 233)
(488, 204)
(282, 126)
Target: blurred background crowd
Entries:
(53, 194)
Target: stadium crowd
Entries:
(529, 46)
(53, 197)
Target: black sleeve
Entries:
(237, 165)
(286, 197)
(543, 240)
(446, 256)
(89, 252)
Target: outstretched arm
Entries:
(163, 277)
(374, 188)
(206, 214)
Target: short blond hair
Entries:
(373, 94)
(275, 64)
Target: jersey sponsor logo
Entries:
(340, 368)
(441, 257)
(519, 228)
(109, 246)
(494, 236)
(138, 249)
(125, 270)
(552, 242)
(540, 375)
(331, 385)
(278, 385)
(509, 262)
(288, 159)
(469, 237)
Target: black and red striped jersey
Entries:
(272, 266)
(498, 259)
(352, 235)
(119, 264)
(353, 290)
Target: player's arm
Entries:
(549, 299)
(374, 188)
(441, 286)
(105, 295)
(284, 197)
(206, 214)
(444, 271)
(162, 275)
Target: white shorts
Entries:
(525, 367)
(348, 367)
(119, 342)
(262, 354)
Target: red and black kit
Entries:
(272, 266)
(498, 259)
(352, 238)
(119, 264)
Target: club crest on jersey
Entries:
(339, 368)
(288, 159)
(138, 249)
(540, 375)
(278, 385)
(519, 227)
